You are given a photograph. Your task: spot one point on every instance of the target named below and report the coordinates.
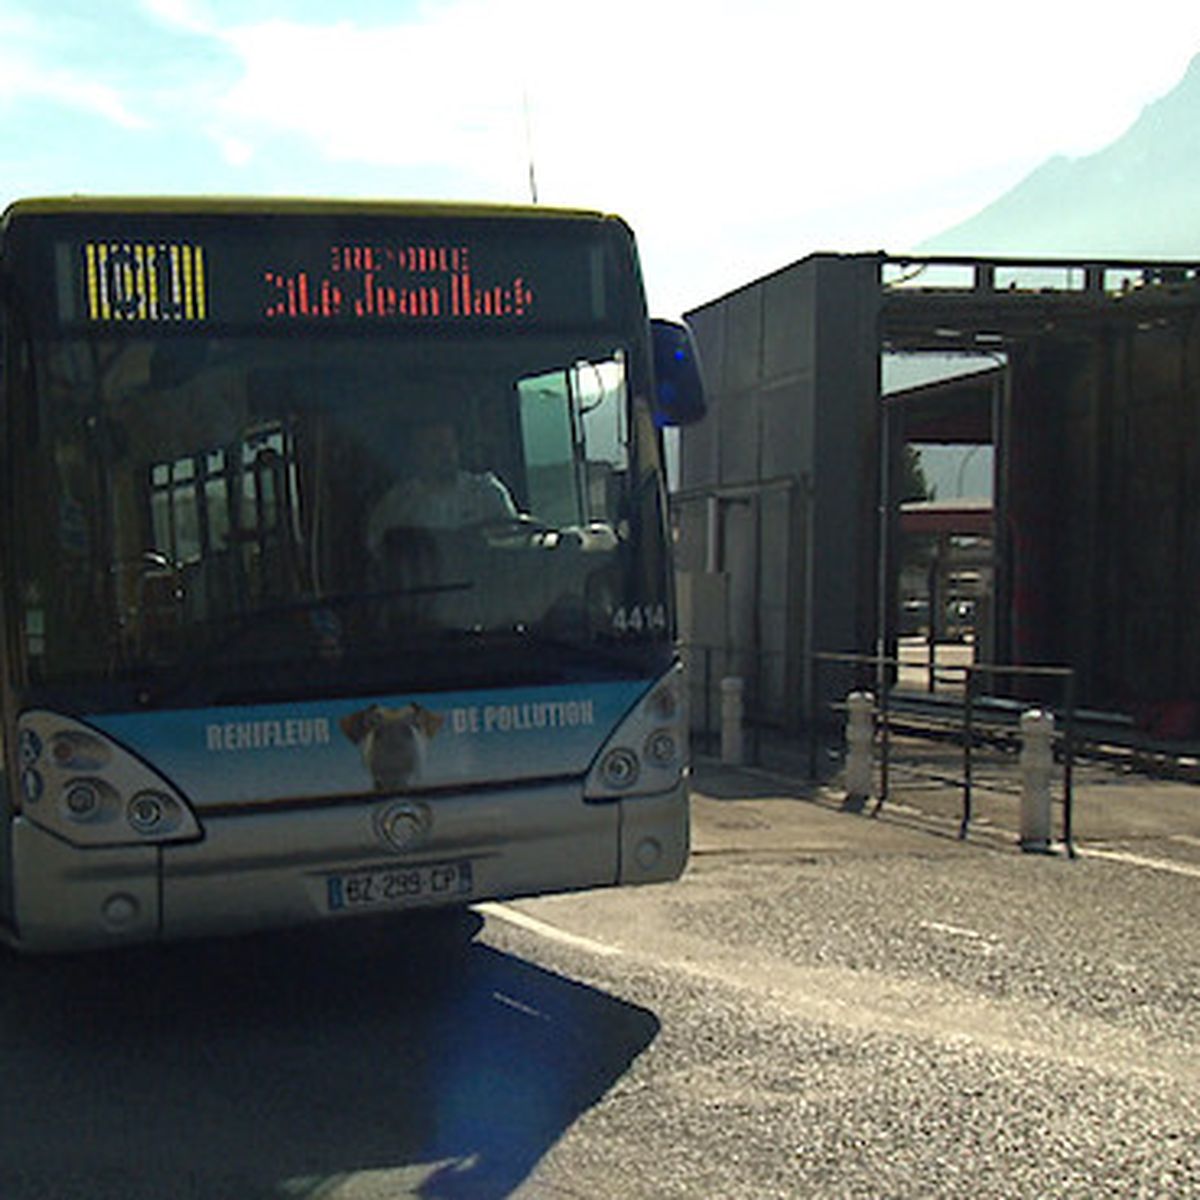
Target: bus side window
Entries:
(600, 388)
(548, 440)
(575, 441)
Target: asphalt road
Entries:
(826, 1005)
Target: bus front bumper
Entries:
(265, 869)
(69, 898)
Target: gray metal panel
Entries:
(741, 366)
(699, 444)
(699, 448)
(796, 398)
(690, 521)
(773, 695)
(786, 421)
(708, 329)
(740, 561)
(737, 425)
(845, 446)
(779, 623)
(788, 343)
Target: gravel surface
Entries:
(944, 1023)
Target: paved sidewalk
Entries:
(749, 810)
(781, 811)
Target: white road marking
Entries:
(502, 912)
(1140, 860)
(512, 1002)
(1185, 839)
(954, 930)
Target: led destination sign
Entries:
(381, 282)
(234, 274)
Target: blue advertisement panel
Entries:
(389, 744)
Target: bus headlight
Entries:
(145, 812)
(665, 700)
(90, 791)
(74, 751)
(31, 747)
(662, 749)
(32, 785)
(620, 768)
(152, 812)
(657, 725)
(83, 799)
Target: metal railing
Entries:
(969, 713)
(979, 714)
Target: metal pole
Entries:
(883, 533)
(884, 739)
(732, 707)
(1069, 767)
(708, 737)
(931, 588)
(812, 718)
(968, 738)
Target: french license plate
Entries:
(398, 885)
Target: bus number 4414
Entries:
(640, 618)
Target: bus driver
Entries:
(440, 495)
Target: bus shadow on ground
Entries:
(713, 779)
(283, 1066)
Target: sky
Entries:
(735, 137)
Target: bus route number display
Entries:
(346, 283)
(138, 281)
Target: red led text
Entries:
(379, 283)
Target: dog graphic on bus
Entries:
(392, 742)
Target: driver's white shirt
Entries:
(468, 500)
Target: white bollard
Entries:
(731, 720)
(860, 744)
(1037, 765)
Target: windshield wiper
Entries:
(321, 635)
(624, 656)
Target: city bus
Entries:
(246, 682)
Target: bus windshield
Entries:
(207, 519)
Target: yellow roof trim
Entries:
(286, 206)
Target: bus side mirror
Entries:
(678, 386)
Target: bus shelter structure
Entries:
(1084, 380)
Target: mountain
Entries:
(1139, 197)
